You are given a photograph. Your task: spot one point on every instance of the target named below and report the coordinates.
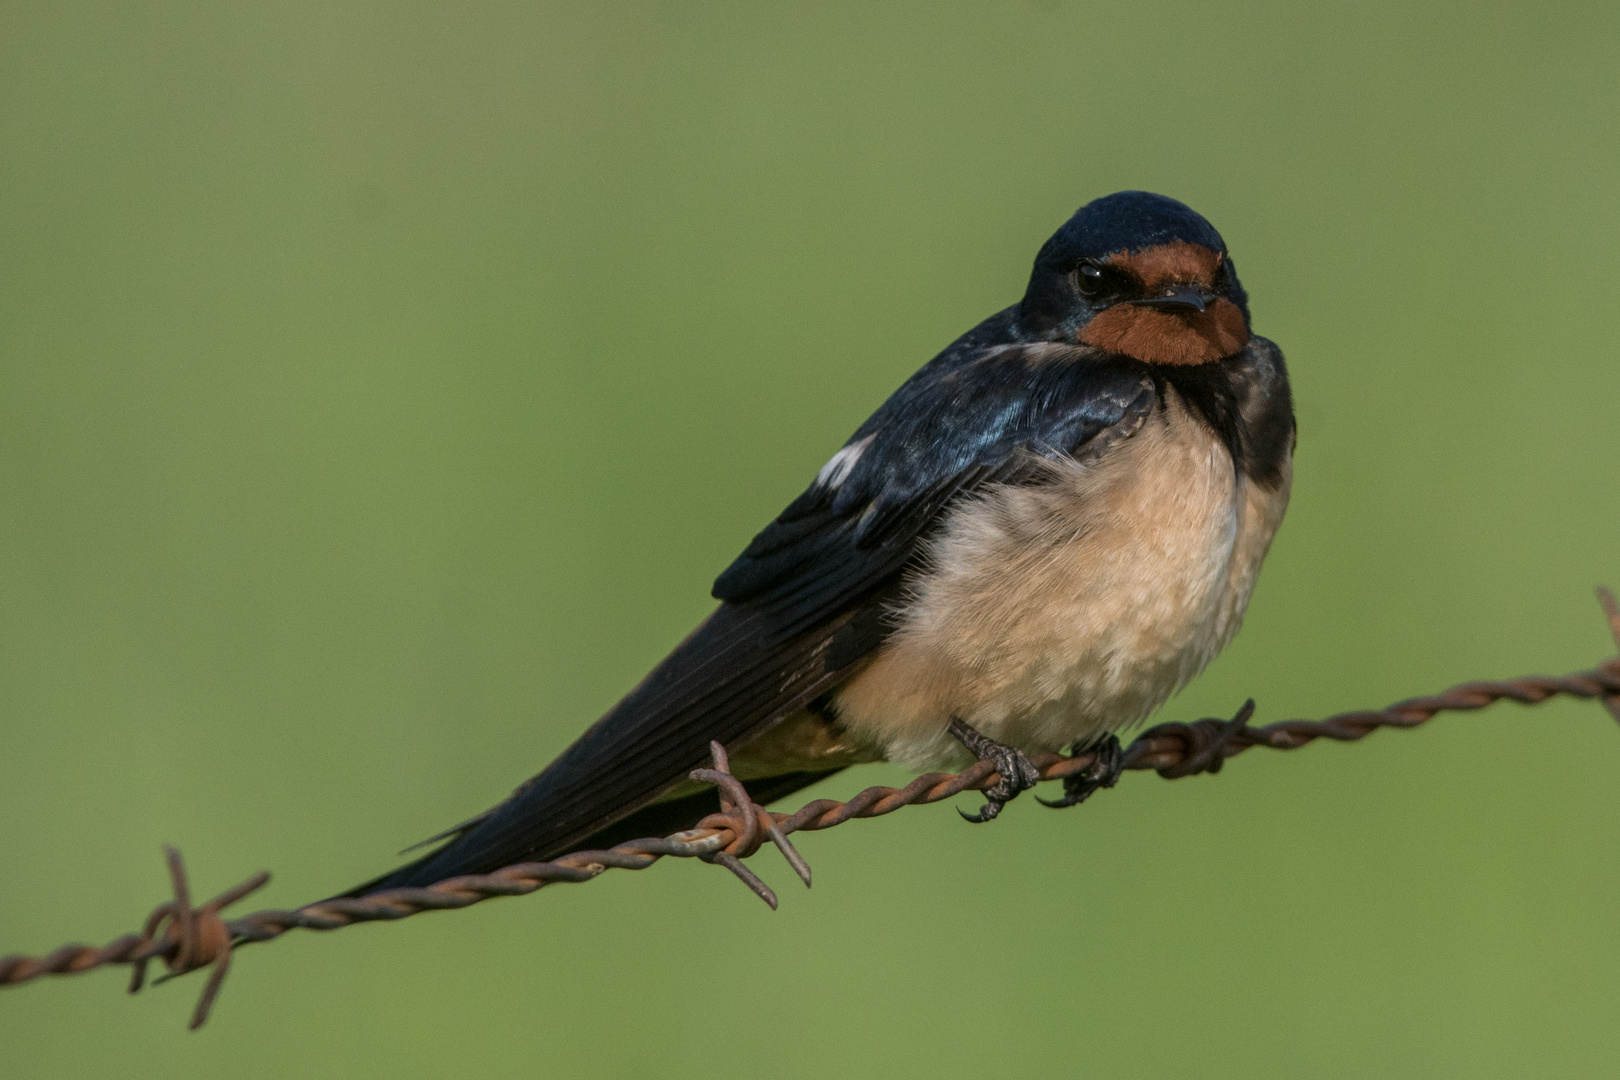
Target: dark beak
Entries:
(1182, 299)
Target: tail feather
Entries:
(659, 819)
(727, 681)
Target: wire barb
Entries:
(1611, 610)
(745, 875)
(187, 938)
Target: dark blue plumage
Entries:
(973, 415)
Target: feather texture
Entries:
(805, 603)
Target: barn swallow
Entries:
(1042, 535)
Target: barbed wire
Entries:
(187, 938)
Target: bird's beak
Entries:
(1182, 298)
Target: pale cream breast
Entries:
(1048, 613)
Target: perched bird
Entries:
(1042, 535)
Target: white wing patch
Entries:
(839, 466)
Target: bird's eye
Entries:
(1089, 279)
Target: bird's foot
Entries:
(1017, 772)
(1102, 773)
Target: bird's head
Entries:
(1141, 275)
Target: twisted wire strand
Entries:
(187, 938)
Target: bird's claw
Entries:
(1016, 772)
(1104, 772)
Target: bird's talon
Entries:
(1103, 773)
(985, 813)
(1016, 772)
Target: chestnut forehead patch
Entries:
(1177, 261)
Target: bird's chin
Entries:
(1170, 338)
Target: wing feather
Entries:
(804, 601)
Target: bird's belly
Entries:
(1054, 612)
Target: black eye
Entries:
(1089, 279)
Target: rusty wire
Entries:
(187, 938)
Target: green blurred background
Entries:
(382, 385)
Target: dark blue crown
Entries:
(1129, 221)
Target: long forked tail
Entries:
(729, 679)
